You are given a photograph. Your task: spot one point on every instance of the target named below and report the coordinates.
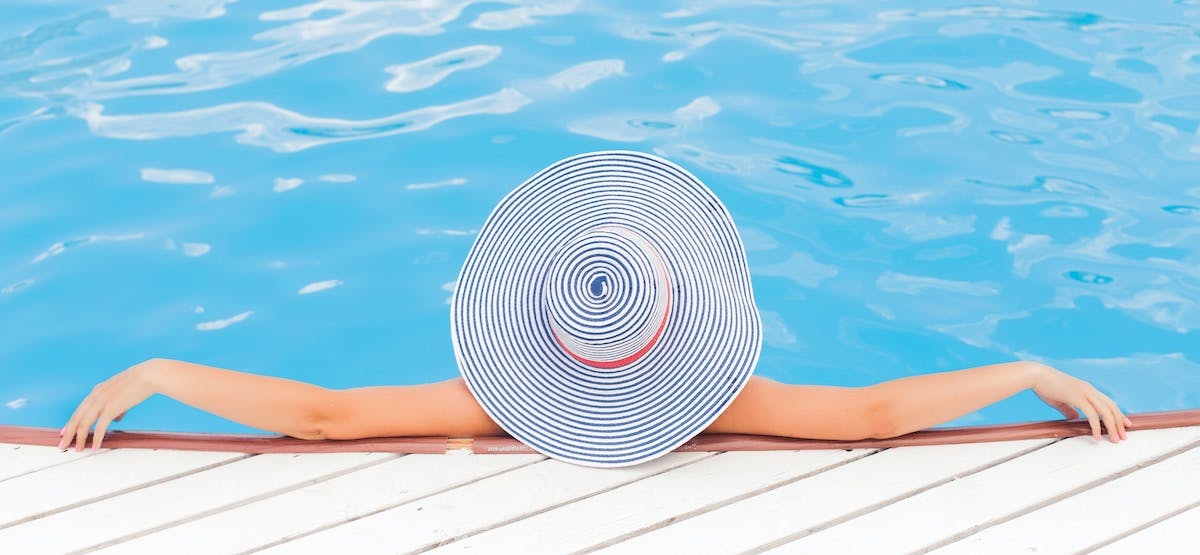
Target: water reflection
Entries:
(70, 244)
(267, 125)
(640, 127)
(180, 176)
(426, 73)
(213, 325)
(319, 286)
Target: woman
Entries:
(603, 317)
(446, 408)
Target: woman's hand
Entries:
(107, 402)
(1063, 392)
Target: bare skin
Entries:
(446, 408)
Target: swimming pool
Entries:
(290, 188)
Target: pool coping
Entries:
(262, 443)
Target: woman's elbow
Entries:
(310, 428)
(317, 422)
(308, 434)
(879, 420)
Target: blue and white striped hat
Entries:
(604, 315)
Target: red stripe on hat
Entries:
(629, 359)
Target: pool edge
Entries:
(263, 443)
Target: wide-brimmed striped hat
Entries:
(604, 315)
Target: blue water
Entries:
(290, 188)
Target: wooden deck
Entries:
(1030, 495)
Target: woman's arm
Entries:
(917, 402)
(764, 406)
(290, 407)
(276, 404)
(904, 405)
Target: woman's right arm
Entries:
(280, 405)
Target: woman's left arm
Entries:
(916, 402)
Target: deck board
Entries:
(485, 504)
(16, 460)
(652, 502)
(101, 523)
(1055, 495)
(1097, 515)
(1179, 530)
(825, 497)
(327, 503)
(958, 508)
(94, 477)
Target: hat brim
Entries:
(560, 406)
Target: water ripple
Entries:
(579, 77)
(304, 38)
(428, 72)
(452, 182)
(878, 200)
(800, 268)
(319, 286)
(1088, 277)
(18, 286)
(267, 125)
(817, 175)
(63, 246)
(221, 324)
(697, 35)
(1182, 209)
(151, 10)
(920, 80)
(523, 16)
(179, 176)
(897, 282)
(640, 127)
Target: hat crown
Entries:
(607, 296)
(604, 314)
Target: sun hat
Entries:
(604, 315)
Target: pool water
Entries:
(290, 188)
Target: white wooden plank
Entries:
(1096, 515)
(88, 479)
(180, 499)
(16, 460)
(819, 499)
(475, 507)
(651, 502)
(1179, 530)
(936, 515)
(323, 504)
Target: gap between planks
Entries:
(894, 499)
(234, 505)
(1056, 498)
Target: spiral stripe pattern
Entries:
(607, 296)
(604, 315)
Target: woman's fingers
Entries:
(73, 424)
(85, 426)
(101, 428)
(68, 430)
(1110, 421)
(1120, 418)
(1115, 422)
(1092, 417)
(1108, 413)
